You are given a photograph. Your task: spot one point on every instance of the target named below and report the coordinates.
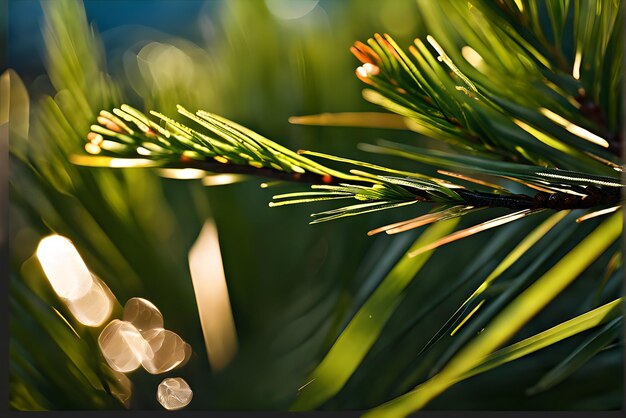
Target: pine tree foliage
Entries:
(503, 126)
(523, 100)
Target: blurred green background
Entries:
(292, 286)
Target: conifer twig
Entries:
(127, 137)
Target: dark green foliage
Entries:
(506, 109)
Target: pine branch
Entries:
(128, 138)
(542, 200)
(499, 116)
(482, 109)
(593, 53)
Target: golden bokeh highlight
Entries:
(123, 346)
(174, 393)
(209, 285)
(85, 295)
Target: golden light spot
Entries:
(142, 314)
(371, 69)
(472, 56)
(167, 351)
(103, 161)
(268, 184)
(114, 146)
(64, 267)
(221, 179)
(92, 148)
(209, 285)
(95, 307)
(122, 346)
(575, 129)
(182, 173)
(132, 162)
(89, 300)
(144, 151)
(174, 393)
(576, 68)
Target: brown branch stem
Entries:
(599, 196)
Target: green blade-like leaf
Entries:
(509, 321)
(578, 357)
(363, 330)
(548, 337)
(507, 262)
(527, 243)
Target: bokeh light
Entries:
(65, 269)
(174, 393)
